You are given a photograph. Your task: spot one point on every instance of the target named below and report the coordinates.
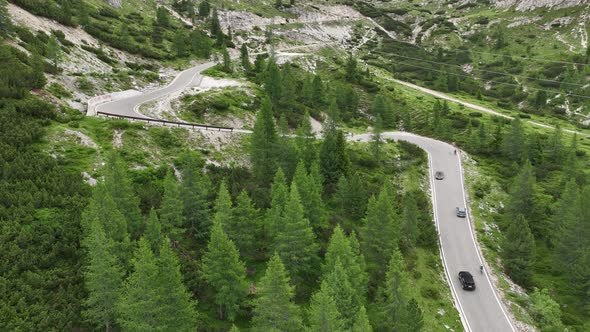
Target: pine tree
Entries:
(279, 195)
(381, 232)
(573, 236)
(54, 52)
(171, 217)
(245, 58)
(121, 190)
(361, 322)
(103, 208)
(103, 278)
(200, 44)
(273, 82)
(311, 196)
(522, 200)
(334, 161)
(194, 192)
(377, 139)
(295, 241)
(307, 91)
(334, 117)
(274, 309)
(204, 8)
(38, 79)
(306, 141)
(223, 206)
(323, 312)
(153, 232)
(177, 309)
(338, 286)
(317, 91)
(5, 24)
(225, 273)
(244, 228)
(351, 69)
(517, 250)
(180, 44)
(513, 144)
(215, 26)
(263, 144)
(227, 66)
(393, 297)
(162, 17)
(382, 108)
(342, 248)
(289, 88)
(414, 320)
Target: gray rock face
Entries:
(523, 5)
(115, 3)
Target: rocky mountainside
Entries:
(523, 5)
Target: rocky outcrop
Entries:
(523, 5)
(115, 3)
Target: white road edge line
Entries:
(477, 249)
(462, 315)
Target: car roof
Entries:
(466, 276)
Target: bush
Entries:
(59, 91)
(475, 114)
(85, 85)
(429, 292)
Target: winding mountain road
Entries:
(480, 310)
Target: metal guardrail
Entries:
(177, 123)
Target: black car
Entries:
(439, 175)
(466, 280)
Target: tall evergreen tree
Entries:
(223, 206)
(54, 52)
(306, 141)
(245, 228)
(119, 185)
(245, 58)
(323, 312)
(200, 44)
(289, 88)
(279, 196)
(153, 297)
(338, 286)
(263, 144)
(377, 139)
(317, 91)
(177, 309)
(180, 45)
(382, 108)
(153, 232)
(194, 192)
(171, 217)
(334, 161)
(522, 200)
(311, 196)
(225, 273)
(274, 309)
(103, 208)
(103, 278)
(414, 321)
(5, 24)
(273, 82)
(204, 8)
(295, 241)
(215, 26)
(361, 322)
(393, 297)
(340, 248)
(517, 251)
(351, 74)
(513, 144)
(381, 232)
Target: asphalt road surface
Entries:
(481, 309)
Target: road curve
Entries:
(481, 310)
(129, 106)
